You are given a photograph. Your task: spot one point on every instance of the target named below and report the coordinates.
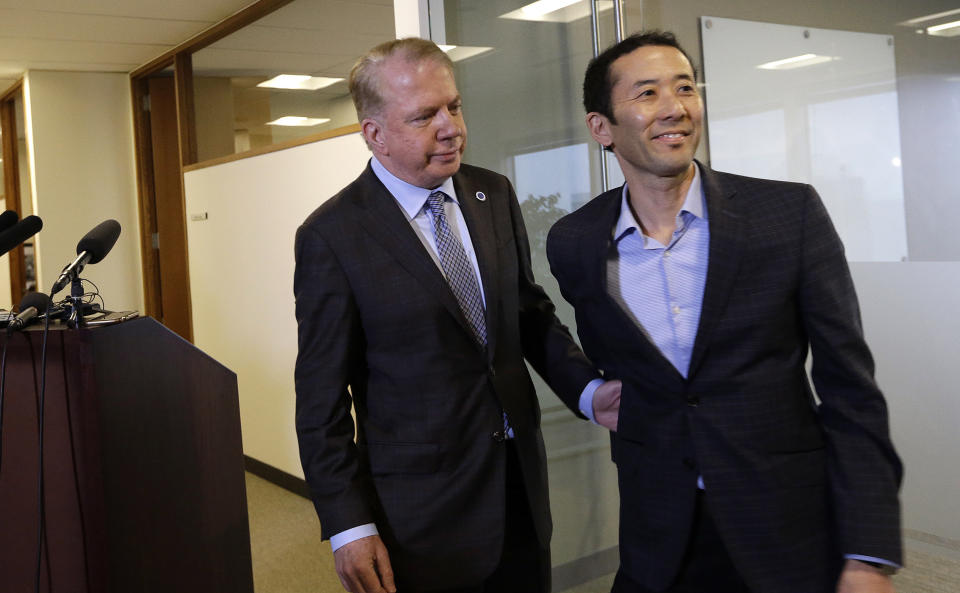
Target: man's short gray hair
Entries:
(365, 76)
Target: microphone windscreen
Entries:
(100, 240)
(8, 219)
(34, 299)
(19, 233)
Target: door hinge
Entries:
(145, 102)
(155, 240)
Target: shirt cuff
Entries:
(343, 538)
(586, 399)
(871, 559)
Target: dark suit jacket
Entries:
(792, 485)
(376, 315)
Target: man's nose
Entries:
(448, 125)
(672, 107)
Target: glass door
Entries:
(520, 67)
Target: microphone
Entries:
(33, 304)
(8, 219)
(94, 246)
(19, 232)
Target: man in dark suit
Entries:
(702, 291)
(413, 289)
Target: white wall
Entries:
(910, 321)
(241, 275)
(80, 131)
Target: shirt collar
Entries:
(692, 203)
(410, 197)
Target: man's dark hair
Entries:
(597, 84)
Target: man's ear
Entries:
(373, 134)
(599, 127)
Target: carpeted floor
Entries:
(288, 556)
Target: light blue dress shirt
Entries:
(661, 286)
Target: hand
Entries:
(859, 577)
(606, 404)
(363, 566)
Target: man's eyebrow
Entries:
(683, 76)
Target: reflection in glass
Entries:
(817, 106)
(313, 42)
(522, 104)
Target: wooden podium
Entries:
(143, 465)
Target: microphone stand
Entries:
(75, 307)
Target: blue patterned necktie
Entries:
(457, 268)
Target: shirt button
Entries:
(666, 254)
(675, 309)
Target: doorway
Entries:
(166, 278)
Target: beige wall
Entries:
(80, 131)
(241, 271)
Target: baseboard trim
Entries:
(277, 477)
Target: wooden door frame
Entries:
(181, 59)
(11, 182)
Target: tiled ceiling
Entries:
(320, 37)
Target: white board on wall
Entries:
(241, 220)
(817, 106)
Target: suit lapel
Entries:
(726, 245)
(620, 327)
(385, 222)
(477, 213)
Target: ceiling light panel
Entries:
(556, 11)
(951, 29)
(462, 52)
(301, 82)
(298, 121)
(796, 62)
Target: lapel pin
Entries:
(481, 196)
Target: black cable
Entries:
(76, 480)
(3, 382)
(95, 294)
(41, 507)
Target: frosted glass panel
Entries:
(549, 173)
(812, 105)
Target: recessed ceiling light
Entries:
(298, 82)
(556, 11)
(796, 62)
(542, 7)
(295, 120)
(951, 29)
(462, 52)
(931, 17)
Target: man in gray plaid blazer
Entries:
(703, 291)
(414, 290)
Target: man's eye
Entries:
(646, 93)
(456, 108)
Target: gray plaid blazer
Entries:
(793, 483)
(376, 315)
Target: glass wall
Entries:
(875, 128)
(524, 118)
(283, 77)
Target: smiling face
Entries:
(657, 110)
(419, 134)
